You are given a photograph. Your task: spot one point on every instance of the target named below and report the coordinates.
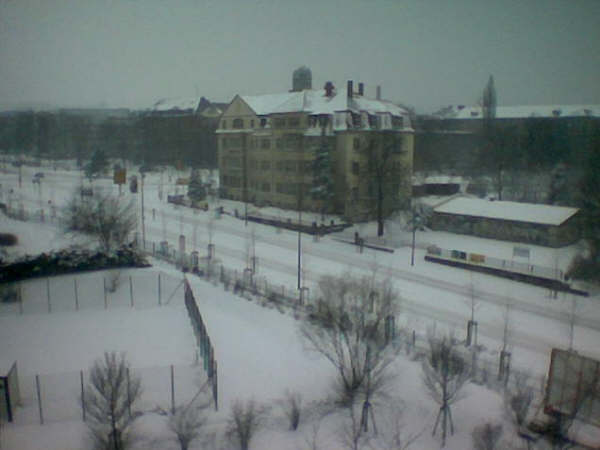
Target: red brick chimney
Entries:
(349, 90)
(361, 89)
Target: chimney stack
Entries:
(349, 89)
(378, 97)
(361, 89)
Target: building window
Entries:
(278, 144)
(290, 166)
(373, 121)
(265, 144)
(356, 143)
(252, 123)
(397, 122)
(294, 122)
(355, 168)
(265, 165)
(263, 122)
(265, 187)
(279, 123)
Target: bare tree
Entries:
(391, 432)
(486, 436)
(504, 363)
(244, 421)
(444, 375)
(187, 421)
(351, 327)
(385, 174)
(108, 219)
(473, 304)
(109, 401)
(292, 407)
(517, 404)
(312, 442)
(352, 435)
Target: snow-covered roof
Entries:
(520, 111)
(513, 211)
(176, 104)
(442, 179)
(316, 102)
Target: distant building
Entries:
(552, 226)
(267, 145)
(187, 107)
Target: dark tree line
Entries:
(142, 138)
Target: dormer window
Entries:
(263, 122)
(238, 123)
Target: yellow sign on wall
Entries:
(120, 176)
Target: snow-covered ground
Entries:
(258, 349)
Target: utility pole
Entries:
(416, 222)
(299, 248)
(143, 175)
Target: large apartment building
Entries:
(267, 145)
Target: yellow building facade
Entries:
(267, 147)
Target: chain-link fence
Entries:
(59, 397)
(117, 288)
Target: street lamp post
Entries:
(416, 222)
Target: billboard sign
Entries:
(573, 388)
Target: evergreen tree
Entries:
(322, 188)
(590, 200)
(196, 191)
(98, 164)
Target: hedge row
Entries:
(69, 261)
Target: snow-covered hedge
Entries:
(69, 261)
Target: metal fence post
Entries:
(128, 393)
(76, 295)
(131, 291)
(105, 298)
(39, 396)
(20, 298)
(82, 395)
(215, 386)
(48, 294)
(172, 390)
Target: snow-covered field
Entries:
(258, 349)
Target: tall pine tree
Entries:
(196, 190)
(322, 188)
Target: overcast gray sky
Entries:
(425, 53)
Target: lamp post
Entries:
(142, 176)
(416, 223)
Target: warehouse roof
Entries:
(513, 211)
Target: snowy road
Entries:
(432, 293)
